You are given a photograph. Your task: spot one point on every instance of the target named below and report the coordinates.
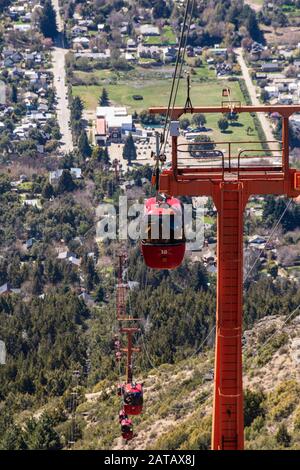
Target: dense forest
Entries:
(47, 338)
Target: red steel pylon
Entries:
(230, 185)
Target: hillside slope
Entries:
(178, 398)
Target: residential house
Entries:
(29, 243)
(260, 76)
(169, 54)
(257, 240)
(269, 67)
(33, 203)
(7, 289)
(131, 46)
(149, 30)
(218, 51)
(22, 27)
(55, 175)
(79, 30)
(286, 99)
(69, 257)
(81, 42)
(88, 299)
(272, 91)
(66, 255)
(149, 52)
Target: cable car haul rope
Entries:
(130, 392)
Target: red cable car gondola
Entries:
(132, 398)
(122, 415)
(127, 429)
(164, 244)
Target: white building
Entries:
(111, 124)
(55, 175)
(272, 91)
(149, 30)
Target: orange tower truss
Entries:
(230, 176)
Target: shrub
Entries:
(283, 400)
(271, 347)
(297, 419)
(282, 436)
(253, 406)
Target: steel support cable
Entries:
(181, 42)
(263, 345)
(180, 71)
(275, 226)
(200, 403)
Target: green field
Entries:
(156, 93)
(167, 38)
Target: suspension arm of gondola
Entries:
(188, 104)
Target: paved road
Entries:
(266, 125)
(59, 20)
(58, 69)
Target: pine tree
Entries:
(48, 25)
(282, 436)
(129, 150)
(91, 274)
(47, 191)
(84, 146)
(14, 94)
(103, 100)
(76, 109)
(65, 183)
(100, 294)
(37, 285)
(13, 439)
(199, 119)
(223, 124)
(41, 434)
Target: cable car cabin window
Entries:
(126, 428)
(164, 229)
(133, 399)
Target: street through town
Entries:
(60, 84)
(265, 123)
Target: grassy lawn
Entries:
(167, 38)
(155, 94)
(206, 91)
